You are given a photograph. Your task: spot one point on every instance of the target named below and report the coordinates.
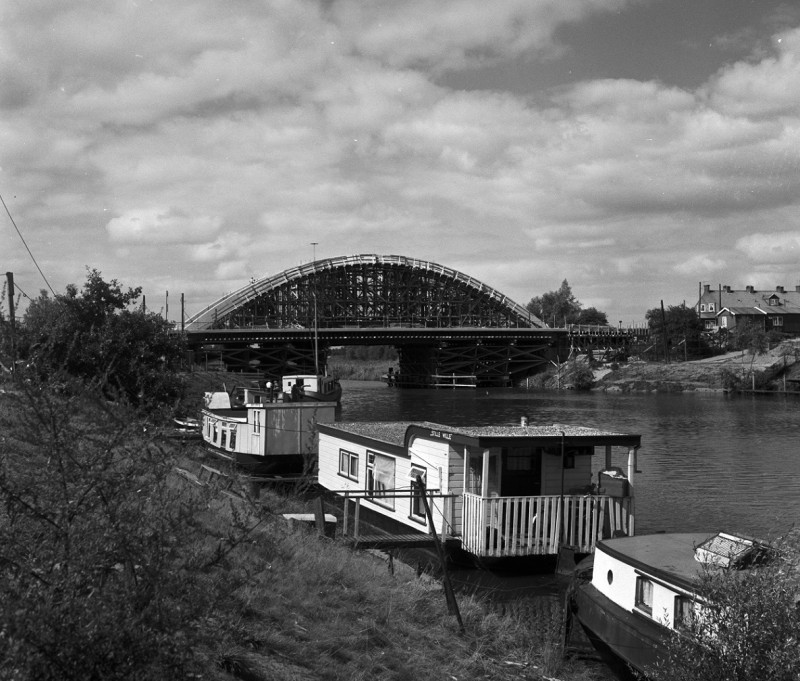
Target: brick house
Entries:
(727, 308)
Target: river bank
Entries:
(777, 370)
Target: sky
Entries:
(635, 148)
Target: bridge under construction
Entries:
(447, 327)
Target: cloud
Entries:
(154, 226)
(232, 140)
(777, 248)
(699, 263)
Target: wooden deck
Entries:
(392, 541)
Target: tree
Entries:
(591, 316)
(678, 325)
(107, 570)
(556, 307)
(747, 626)
(93, 334)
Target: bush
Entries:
(748, 628)
(105, 571)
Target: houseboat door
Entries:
(521, 472)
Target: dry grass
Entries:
(312, 608)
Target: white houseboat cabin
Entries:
(641, 588)
(496, 491)
(263, 436)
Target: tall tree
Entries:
(94, 334)
(677, 326)
(558, 308)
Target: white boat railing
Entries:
(531, 526)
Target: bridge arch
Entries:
(365, 291)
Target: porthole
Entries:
(610, 576)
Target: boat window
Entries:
(610, 576)
(232, 440)
(348, 464)
(380, 477)
(644, 595)
(683, 612)
(519, 459)
(417, 506)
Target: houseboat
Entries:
(496, 492)
(261, 434)
(312, 388)
(643, 588)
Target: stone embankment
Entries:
(776, 370)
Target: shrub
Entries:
(748, 627)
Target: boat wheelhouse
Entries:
(264, 436)
(643, 588)
(312, 387)
(495, 491)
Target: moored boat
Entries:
(643, 588)
(312, 388)
(262, 435)
(496, 492)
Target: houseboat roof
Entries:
(397, 434)
(669, 556)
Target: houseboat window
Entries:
(683, 612)
(223, 439)
(348, 464)
(644, 595)
(777, 321)
(519, 459)
(702, 307)
(257, 422)
(711, 307)
(380, 477)
(232, 439)
(417, 506)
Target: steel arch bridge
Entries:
(442, 321)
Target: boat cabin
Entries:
(314, 387)
(498, 491)
(643, 587)
(262, 436)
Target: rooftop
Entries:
(396, 432)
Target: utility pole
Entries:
(13, 321)
(664, 332)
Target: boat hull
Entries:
(634, 639)
(278, 465)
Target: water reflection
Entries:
(708, 461)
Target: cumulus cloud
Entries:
(777, 248)
(700, 263)
(155, 226)
(234, 139)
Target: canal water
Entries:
(709, 461)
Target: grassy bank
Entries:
(312, 608)
(358, 370)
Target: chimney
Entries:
(779, 289)
(726, 288)
(706, 288)
(750, 289)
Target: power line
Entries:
(22, 238)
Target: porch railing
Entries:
(530, 526)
